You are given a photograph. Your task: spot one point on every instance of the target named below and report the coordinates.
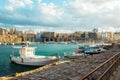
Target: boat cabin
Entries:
(27, 52)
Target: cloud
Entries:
(108, 29)
(13, 4)
(50, 12)
(28, 12)
(93, 13)
(71, 15)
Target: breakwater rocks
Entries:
(69, 70)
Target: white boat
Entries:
(74, 55)
(27, 57)
(62, 42)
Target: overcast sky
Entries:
(60, 15)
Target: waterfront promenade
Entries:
(71, 70)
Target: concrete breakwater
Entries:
(70, 70)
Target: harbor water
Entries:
(6, 68)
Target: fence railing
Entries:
(104, 70)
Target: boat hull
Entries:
(32, 61)
(74, 55)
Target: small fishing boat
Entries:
(28, 57)
(76, 54)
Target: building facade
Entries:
(117, 37)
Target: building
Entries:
(3, 31)
(48, 36)
(116, 36)
(65, 37)
(92, 36)
(29, 37)
(2, 38)
(77, 36)
(12, 31)
(85, 36)
(107, 36)
(38, 37)
(99, 36)
(19, 33)
(10, 39)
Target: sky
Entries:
(60, 15)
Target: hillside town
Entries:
(15, 36)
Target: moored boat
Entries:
(93, 49)
(28, 57)
(76, 54)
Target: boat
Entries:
(81, 49)
(62, 42)
(3, 43)
(76, 54)
(107, 45)
(28, 57)
(93, 49)
(10, 43)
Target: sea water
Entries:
(6, 68)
